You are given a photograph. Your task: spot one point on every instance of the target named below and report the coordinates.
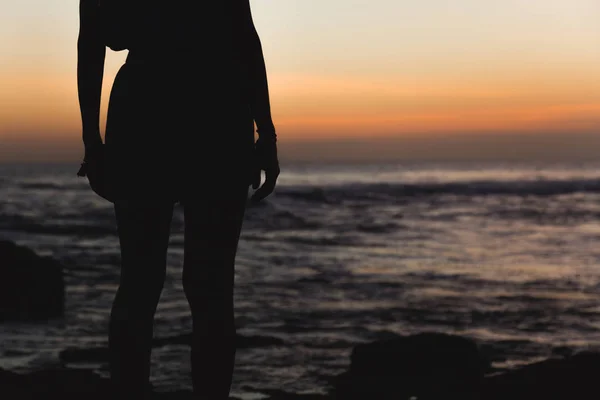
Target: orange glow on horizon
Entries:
(33, 104)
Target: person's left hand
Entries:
(265, 160)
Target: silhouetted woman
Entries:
(180, 128)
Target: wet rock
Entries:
(65, 383)
(31, 287)
(571, 377)
(50, 383)
(282, 395)
(433, 366)
(425, 366)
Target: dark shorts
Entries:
(174, 130)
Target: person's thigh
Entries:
(213, 222)
(144, 230)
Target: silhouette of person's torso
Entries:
(186, 89)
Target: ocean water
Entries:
(506, 254)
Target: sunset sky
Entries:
(346, 69)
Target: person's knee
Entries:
(208, 296)
(140, 294)
(211, 277)
(209, 259)
(148, 279)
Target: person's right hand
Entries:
(265, 159)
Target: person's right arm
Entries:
(266, 146)
(91, 53)
(259, 88)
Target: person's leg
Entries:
(212, 229)
(144, 236)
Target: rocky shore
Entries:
(425, 366)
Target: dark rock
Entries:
(100, 354)
(282, 395)
(433, 366)
(426, 365)
(31, 287)
(67, 383)
(572, 377)
(56, 382)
